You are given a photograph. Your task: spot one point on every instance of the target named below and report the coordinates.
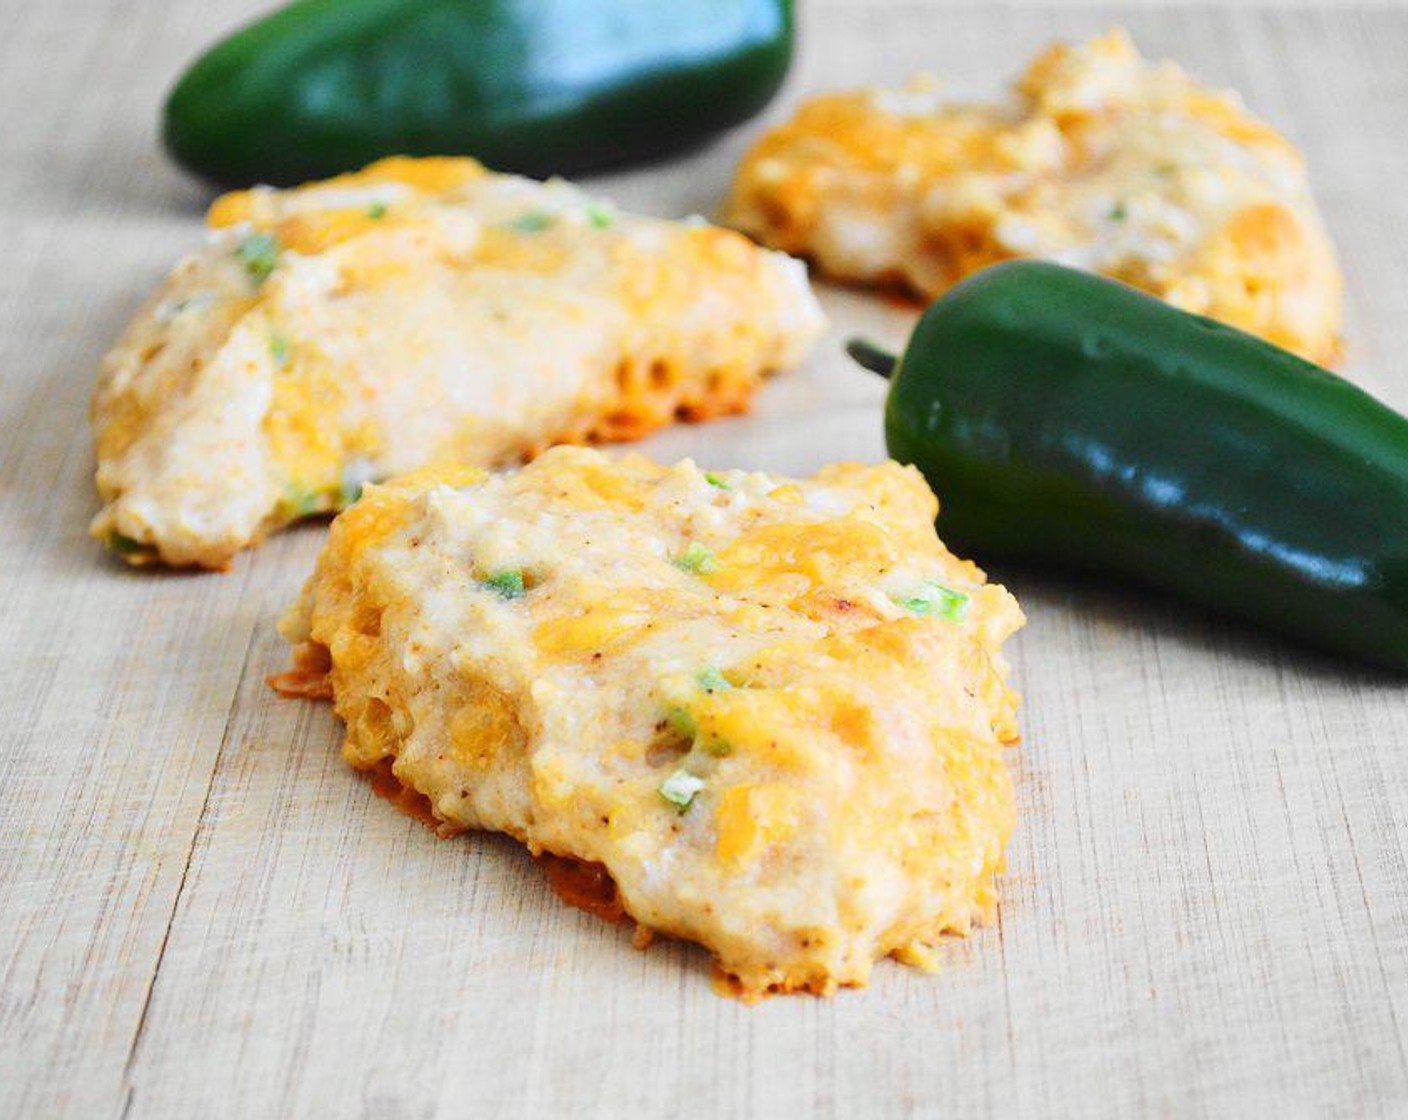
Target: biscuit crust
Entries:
(1101, 160)
(416, 312)
(767, 715)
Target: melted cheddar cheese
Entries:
(773, 711)
(1102, 161)
(416, 312)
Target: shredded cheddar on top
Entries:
(417, 312)
(1101, 160)
(775, 757)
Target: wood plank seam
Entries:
(129, 1089)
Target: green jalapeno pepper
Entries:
(1069, 420)
(538, 87)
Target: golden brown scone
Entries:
(772, 710)
(1103, 161)
(418, 311)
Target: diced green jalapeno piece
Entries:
(936, 599)
(260, 254)
(301, 502)
(534, 221)
(697, 559)
(680, 789)
(123, 545)
(356, 473)
(507, 583)
(682, 721)
(279, 349)
(711, 680)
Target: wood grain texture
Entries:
(203, 913)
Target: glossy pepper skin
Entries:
(537, 87)
(1067, 419)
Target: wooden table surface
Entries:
(204, 913)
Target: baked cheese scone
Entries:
(415, 312)
(772, 710)
(1102, 161)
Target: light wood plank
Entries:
(116, 689)
(203, 913)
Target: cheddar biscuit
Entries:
(419, 311)
(1102, 160)
(772, 711)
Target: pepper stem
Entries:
(867, 354)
